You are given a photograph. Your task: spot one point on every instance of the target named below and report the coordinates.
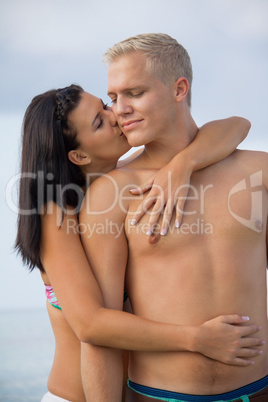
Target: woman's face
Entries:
(101, 142)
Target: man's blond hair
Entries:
(166, 58)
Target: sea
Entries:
(26, 355)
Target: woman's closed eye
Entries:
(100, 123)
(105, 107)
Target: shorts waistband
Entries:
(49, 397)
(171, 396)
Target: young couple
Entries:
(190, 291)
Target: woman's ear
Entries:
(182, 88)
(78, 158)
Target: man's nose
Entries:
(122, 107)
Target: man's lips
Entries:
(128, 125)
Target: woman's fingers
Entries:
(179, 212)
(249, 330)
(175, 203)
(247, 344)
(154, 217)
(143, 188)
(167, 216)
(230, 340)
(164, 201)
(154, 197)
(180, 204)
(161, 208)
(242, 362)
(151, 199)
(251, 342)
(233, 319)
(247, 352)
(244, 356)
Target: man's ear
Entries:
(182, 88)
(78, 158)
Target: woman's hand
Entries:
(226, 340)
(170, 185)
(168, 190)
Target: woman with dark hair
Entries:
(69, 138)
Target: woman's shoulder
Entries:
(54, 217)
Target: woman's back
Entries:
(65, 375)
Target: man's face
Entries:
(145, 108)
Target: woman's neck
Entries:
(91, 173)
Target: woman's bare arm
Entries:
(82, 304)
(169, 187)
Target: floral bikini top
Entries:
(52, 298)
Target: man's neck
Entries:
(158, 153)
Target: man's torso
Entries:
(214, 264)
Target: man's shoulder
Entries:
(248, 153)
(250, 162)
(241, 163)
(249, 159)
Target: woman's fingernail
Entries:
(133, 189)
(133, 221)
(163, 232)
(177, 224)
(245, 318)
(149, 232)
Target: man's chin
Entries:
(134, 141)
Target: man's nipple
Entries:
(258, 225)
(154, 238)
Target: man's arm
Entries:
(105, 244)
(101, 371)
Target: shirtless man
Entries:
(214, 263)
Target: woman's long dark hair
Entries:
(46, 172)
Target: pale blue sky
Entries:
(52, 43)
